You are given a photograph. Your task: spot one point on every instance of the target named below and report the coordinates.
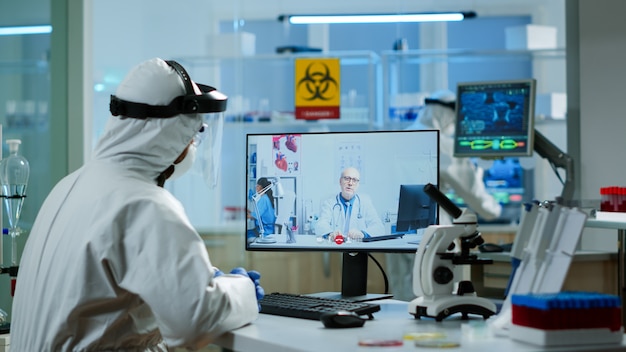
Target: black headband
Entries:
(211, 100)
(450, 104)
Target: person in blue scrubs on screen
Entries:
(265, 207)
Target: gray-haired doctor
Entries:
(348, 213)
(112, 262)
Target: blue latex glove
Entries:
(217, 272)
(255, 276)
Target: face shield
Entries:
(209, 147)
(199, 100)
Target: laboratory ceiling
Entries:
(31, 12)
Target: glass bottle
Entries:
(14, 173)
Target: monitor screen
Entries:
(510, 184)
(495, 119)
(312, 175)
(416, 210)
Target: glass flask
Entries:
(14, 172)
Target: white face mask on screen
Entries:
(182, 167)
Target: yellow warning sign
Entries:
(317, 88)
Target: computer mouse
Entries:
(490, 248)
(342, 319)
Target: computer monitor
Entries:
(416, 210)
(495, 119)
(308, 167)
(509, 183)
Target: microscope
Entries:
(437, 266)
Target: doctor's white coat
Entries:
(364, 216)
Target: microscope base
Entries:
(442, 307)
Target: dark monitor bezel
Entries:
(377, 249)
(405, 210)
(529, 117)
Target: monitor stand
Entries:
(354, 281)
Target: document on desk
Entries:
(534, 251)
(525, 275)
(545, 264)
(523, 235)
(558, 259)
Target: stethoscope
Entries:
(340, 204)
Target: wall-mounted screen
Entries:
(495, 119)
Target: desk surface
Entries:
(580, 256)
(606, 224)
(274, 333)
(311, 242)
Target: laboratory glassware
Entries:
(14, 173)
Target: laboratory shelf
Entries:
(410, 76)
(261, 88)
(464, 55)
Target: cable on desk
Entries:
(382, 271)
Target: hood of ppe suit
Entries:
(150, 145)
(438, 116)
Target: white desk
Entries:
(276, 334)
(310, 242)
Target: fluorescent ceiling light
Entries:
(378, 18)
(19, 30)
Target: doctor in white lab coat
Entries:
(112, 262)
(348, 213)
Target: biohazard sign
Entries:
(317, 93)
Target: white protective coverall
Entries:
(112, 261)
(460, 174)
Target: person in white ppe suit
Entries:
(460, 174)
(348, 213)
(112, 262)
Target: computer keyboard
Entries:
(383, 237)
(311, 307)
